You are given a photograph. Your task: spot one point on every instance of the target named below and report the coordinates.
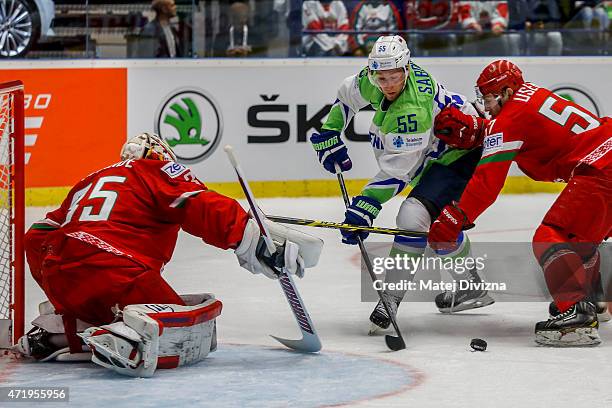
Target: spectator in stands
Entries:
(238, 38)
(543, 16)
(582, 14)
(373, 15)
(432, 15)
(280, 45)
(324, 15)
(481, 15)
(159, 39)
(517, 14)
(488, 20)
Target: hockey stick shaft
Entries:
(310, 341)
(347, 227)
(366, 259)
(257, 213)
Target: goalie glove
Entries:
(457, 129)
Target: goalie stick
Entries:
(310, 342)
(395, 343)
(346, 227)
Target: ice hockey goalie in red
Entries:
(550, 139)
(116, 230)
(99, 257)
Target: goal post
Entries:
(12, 212)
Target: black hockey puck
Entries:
(478, 344)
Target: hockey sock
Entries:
(591, 267)
(565, 276)
(460, 269)
(411, 251)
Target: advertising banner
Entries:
(75, 121)
(268, 109)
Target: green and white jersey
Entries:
(401, 131)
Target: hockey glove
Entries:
(331, 150)
(362, 211)
(286, 256)
(445, 230)
(253, 255)
(457, 129)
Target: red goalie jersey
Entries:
(135, 208)
(546, 135)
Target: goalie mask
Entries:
(147, 146)
(389, 52)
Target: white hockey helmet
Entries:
(147, 146)
(389, 52)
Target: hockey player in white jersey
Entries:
(406, 99)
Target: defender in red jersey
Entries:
(99, 259)
(550, 139)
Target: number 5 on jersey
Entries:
(98, 191)
(568, 112)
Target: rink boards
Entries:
(266, 109)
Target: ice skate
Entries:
(575, 327)
(603, 314)
(453, 302)
(379, 318)
(41, 345)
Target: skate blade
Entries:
(470, 304)
(580, 337)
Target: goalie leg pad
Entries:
(52, 322)
(153, 336)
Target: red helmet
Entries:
(499, 75)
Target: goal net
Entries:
(12, 212)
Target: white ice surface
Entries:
(442, 372)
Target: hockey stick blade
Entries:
(308, 344)
(395, 343)
(310, 341)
